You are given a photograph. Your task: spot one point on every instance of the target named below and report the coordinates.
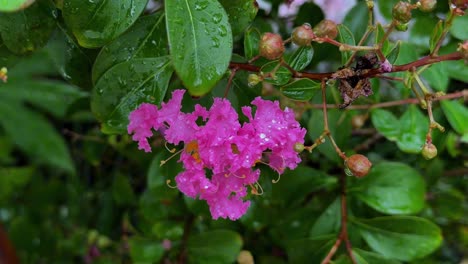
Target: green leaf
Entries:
(392, 188)
(280, 77)
(251, 42)
(379, 34)
(367, 257)
(303, 15)
(392, 55)
(301, 58)
(301, 89)
(329, 222)
(437, 76)
(457, 115)
(144, 250)
(400, 237)
(147, 38)
(218, 246)
(27, 30)
(421, 31)
(95, 23)
(241, 13)
(436, 34)
(458, 28)
(122, 191)
(14, 5)
(457, 70)
(413, 128)
(200, 42)
(13, 179)
(34, 135)
(125, 86)
(356, 20)
(386, 123)
(309, 250)
(346, 37)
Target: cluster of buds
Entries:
(3, 74)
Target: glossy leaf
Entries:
(367, 257)
(457, 115)
(386, 123)
(34, 135)
(329, 222)
(125, 86)
(301, 58)
(251, 42)
(281, 76)
(27, 30)
(392, 188)
(346, 37)
(200, 42)
(301, 89)
(379, 34)
(413, 128)
(400, 237)
(392, 55)
(241, 13)
(95, 23)
(436, 34)
(143, 250)
(356, 18)
(14, 5)
(147, 38)
(437, 77)
(218, 246)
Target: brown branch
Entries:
(462, 93)
(371, 73)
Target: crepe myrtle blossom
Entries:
(219, 155)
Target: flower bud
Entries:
(298, 147)
(460, 4)
(326, 28)
(253, 80)
(3, 74)
(358, 121)
(427, 5)
(303, 35)
(401, 26)
(245, 257)
(359, 165)
(463, 49)
(271, 46)
(402, 12)
(429, 151)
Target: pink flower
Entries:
(215, 141)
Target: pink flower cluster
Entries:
(221, 146)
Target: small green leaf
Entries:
(12, 179)
(329, 222)
(301, 58)
(437, 76)
(386, 123)
(125, 86)
(301, 89)
(413, 128)
(379, 34)
(14, 5)
(392, 55)
(218, 246)
(367, 257)
(251, 42)
(309, 250)
(356, 19)
(458, 28)
(280, 77)
(27, 30)
(34, 135)
(95, 23)
(400, 237)
(346, 37)
(241, 13)
(457, 115)
(392, 188)
(144, 250)
(436, 35)
(200, 41)
(147, 38)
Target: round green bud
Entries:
(253, 80)
(298, 147)
(429, 151)
(303, 35)
(402, 12)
